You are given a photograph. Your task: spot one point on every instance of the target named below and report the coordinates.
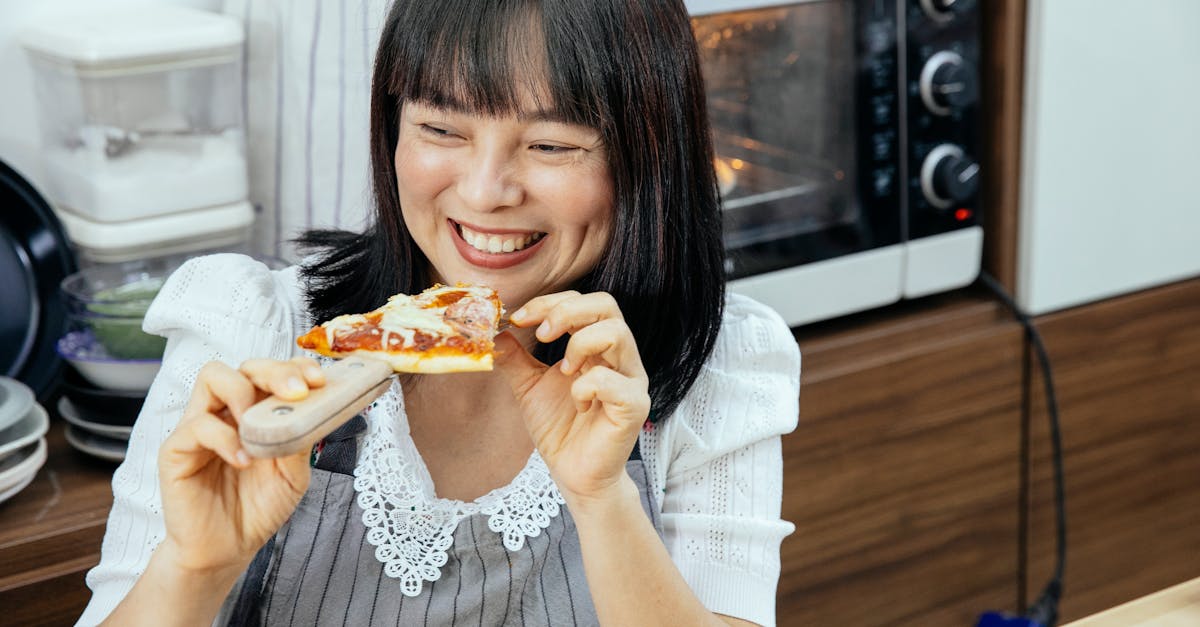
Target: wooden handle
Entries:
(277, 427)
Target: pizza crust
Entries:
(435, 364)
(424, 363)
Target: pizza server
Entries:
(276, 427)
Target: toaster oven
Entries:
(846, 133)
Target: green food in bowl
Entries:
(116, 320)
(123, 338)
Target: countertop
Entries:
(1177, 606)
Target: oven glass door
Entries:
(786, 87)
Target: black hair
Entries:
(628, 68)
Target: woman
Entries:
(559, 153)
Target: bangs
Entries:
(496, 58)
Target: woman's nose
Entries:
(489, 181)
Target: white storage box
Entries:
(176, 233)
(140, 110)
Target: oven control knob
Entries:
(948, 176)
(947, 83)
(943, 10)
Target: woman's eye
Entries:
(435, 131)
(551, 149)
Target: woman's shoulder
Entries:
(749, 387)
(752, 332)
(223, 288)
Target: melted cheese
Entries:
(400, 315)
(431, 295)
(344, 322)
(405, 315)
(406, 336)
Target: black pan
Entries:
(35, 256)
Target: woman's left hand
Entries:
(585, 412)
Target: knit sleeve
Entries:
(220, 307)
(718, 467)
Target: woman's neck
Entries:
(468, 430)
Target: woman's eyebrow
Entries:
(542, 115)
(453, 105)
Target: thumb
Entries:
(521, 369)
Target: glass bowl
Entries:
(110, 301)
(118, 289)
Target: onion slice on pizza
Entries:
(443, 329)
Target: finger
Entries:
(571, 314)
(535, 310)
(516, 365)
(313, 374)
(624, 398)
(610, 341)
(289, 380)
(189, 447)
(219, 387)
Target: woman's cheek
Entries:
(421, 170)
(583, 196)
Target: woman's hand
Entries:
(219, 505)
(585, 412)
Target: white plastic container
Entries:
(176, 233)
(140, 110)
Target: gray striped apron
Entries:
(320, 570)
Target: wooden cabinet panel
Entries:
(50, 536)
(55, 601)
(903, 475)
(1127, 373)
(1003, 75)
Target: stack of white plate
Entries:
(23, 426)
(99, 420)
(90, 435)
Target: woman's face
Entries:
(523, 204)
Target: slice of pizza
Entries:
(443, 329)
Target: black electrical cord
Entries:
(1044, 610)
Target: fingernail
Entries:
(295, 385)
(242, 457)
(543, 328)
(566, 366)
(518, 315)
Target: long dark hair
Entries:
(628, 68)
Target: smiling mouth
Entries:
(497, 243)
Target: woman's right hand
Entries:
(219, 505)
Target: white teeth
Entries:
(496, 243)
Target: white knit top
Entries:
(715, 465)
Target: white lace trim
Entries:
(410, 528)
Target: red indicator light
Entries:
(962, 214)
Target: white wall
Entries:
(1111, 149)
(19, 139)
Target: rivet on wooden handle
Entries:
(277, 427)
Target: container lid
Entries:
(129, 34)
(172, 233)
